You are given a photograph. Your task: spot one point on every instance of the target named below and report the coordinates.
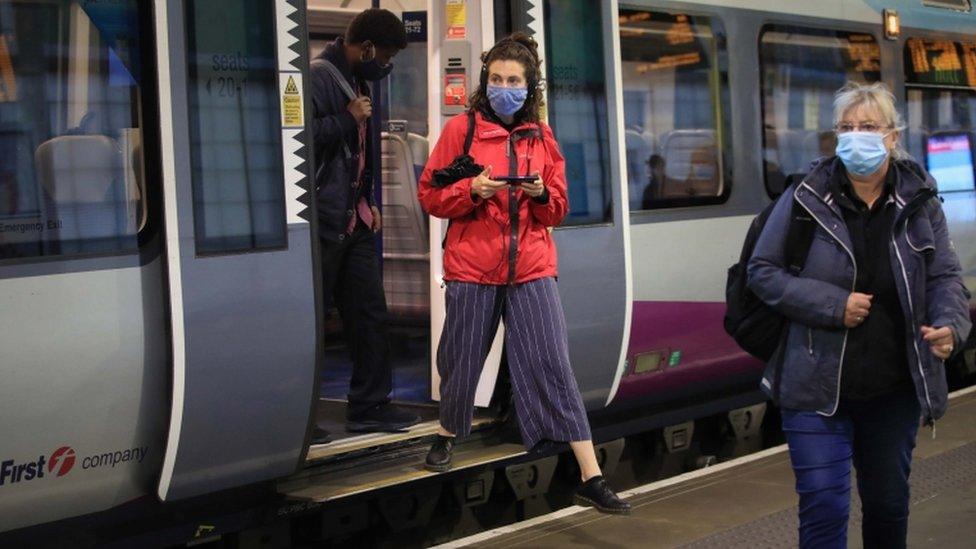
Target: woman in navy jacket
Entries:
(877, 308)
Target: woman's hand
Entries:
(940, 340)
(534, 189)
(485, 187)
(858, 308)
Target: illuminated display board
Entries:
(662, 40)
(940, 62)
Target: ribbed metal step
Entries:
(388, 468)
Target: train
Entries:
(157, 228)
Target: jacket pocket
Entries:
(919, 235)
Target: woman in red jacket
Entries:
(500, 262)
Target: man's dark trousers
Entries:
(351, 280)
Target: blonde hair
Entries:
(876, 95)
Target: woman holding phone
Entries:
(498, 175)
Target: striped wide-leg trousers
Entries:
(547, 399)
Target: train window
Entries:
(71, 178)
(940, 80)
(235, 131)
(577, 104)
(800, 69)
(675, 84)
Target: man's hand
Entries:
(377, 219)
(361, 108)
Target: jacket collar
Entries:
(489, 126)
(911, 180)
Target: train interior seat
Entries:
(691, 164)
(406, 257)
(419, 150)
(80, 175)
(640, 146)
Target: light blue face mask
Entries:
(862, 152)
(506, 101)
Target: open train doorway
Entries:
(398, 148)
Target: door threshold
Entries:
(317, 485)
(366, 441)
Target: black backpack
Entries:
(755, 326)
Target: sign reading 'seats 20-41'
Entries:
(61, 461)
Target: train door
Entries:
(83, 344)
(585, 115)
(238, 239)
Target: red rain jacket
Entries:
(504, 239)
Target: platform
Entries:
(750, 502)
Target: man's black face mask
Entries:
(462, 167)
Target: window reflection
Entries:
(673, 94)
(235, 131)
(801, 69)
(71, 170)
(577, 104)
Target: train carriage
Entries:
(164, 349)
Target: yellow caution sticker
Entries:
(456, 16)
(291, 100)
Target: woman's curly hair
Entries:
(516, 47)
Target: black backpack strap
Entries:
(468, 138)
(799, 238)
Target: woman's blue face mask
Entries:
(862, 153)
(506, 101)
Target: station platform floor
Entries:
(750, 502)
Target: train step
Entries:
(345, 445)
(391, 467)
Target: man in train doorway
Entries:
(347, 214)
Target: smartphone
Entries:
(516, 179)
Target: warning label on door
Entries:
(291, 100)
(456, 16)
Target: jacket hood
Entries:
(911, 181)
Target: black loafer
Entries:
(439, 456)
(382, 418)
(597, 493)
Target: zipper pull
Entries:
(933, 430)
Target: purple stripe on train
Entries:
(683, 344)
(688, 339)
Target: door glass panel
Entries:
(71, 159)
(941, 94)
(235, 129)
(800, 69)
(675, 93)
(577, 104)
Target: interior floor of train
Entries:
(750, 502)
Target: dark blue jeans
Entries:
(877, 436)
